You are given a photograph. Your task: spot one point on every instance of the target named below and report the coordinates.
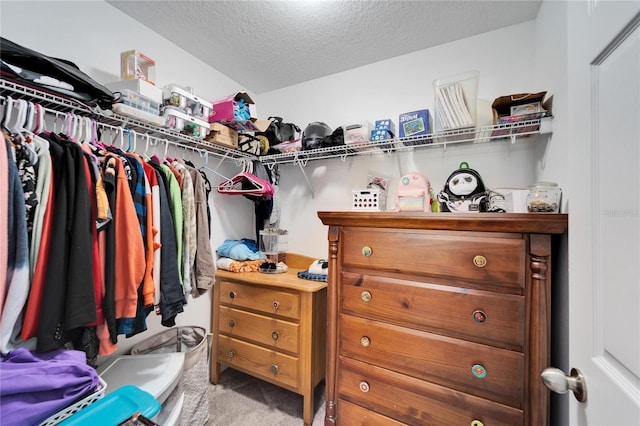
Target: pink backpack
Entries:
(414, 194)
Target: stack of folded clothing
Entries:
(240, 256)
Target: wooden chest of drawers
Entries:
(272, 326)
(438, 319)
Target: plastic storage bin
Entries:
(74, 408)
(192, 341)
(116, 407)
(158, 374)
(455, 100)
(358, 136)
(189, 103)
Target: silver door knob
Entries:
(556, 381)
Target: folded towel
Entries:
(231, 265)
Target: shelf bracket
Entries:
(304, 174)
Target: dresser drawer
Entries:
(414, 401)
(496, 319)
(262, 299)
(258, 361)
(276, 333)
(497, 262)
(488, 372)
(355, 415)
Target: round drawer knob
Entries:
(232, 294)
(365, 341)
(366, 251)
(274, 369)
(364, 386)
(479, 316)
(366, 296)
(477, 423)
(480, 261)
(275, 335)
(231, 353)
(276, 304)
(232, 323)
(479, 371)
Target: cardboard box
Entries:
(223, 135)
(378, 135)
(386, 124)
(415, 123)
(237, 110)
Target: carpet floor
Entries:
(242, 400)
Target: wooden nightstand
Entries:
(272, 326)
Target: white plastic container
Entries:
(158, 374)
(358, 135)
(189, 103)
(180, 121)
(455, 100)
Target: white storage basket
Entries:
(74, 408)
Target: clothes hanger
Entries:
(245, 183)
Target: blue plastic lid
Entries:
(116, 407)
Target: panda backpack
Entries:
(464, 192)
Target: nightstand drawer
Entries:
(481, 370)
(497, 262)
(480, 316)
(262, 299)
(415, 401)
(278, 334)
(260, 362)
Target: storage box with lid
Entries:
(358, 135)
(196, 106)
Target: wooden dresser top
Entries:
(536, 223)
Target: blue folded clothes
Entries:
(306, 275)
(244, 249)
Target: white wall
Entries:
(92, 34)
(505, 59)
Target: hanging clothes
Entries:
(203, 270)
(17, 279)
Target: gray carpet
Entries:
(242, 400)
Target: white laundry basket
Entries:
(192, 341)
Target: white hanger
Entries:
(7, 111)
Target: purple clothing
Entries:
(33, 386)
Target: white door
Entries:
(604, 209)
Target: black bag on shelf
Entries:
(53, 75)
(334, 139)
(279, 132)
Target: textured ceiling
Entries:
(267, 45)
